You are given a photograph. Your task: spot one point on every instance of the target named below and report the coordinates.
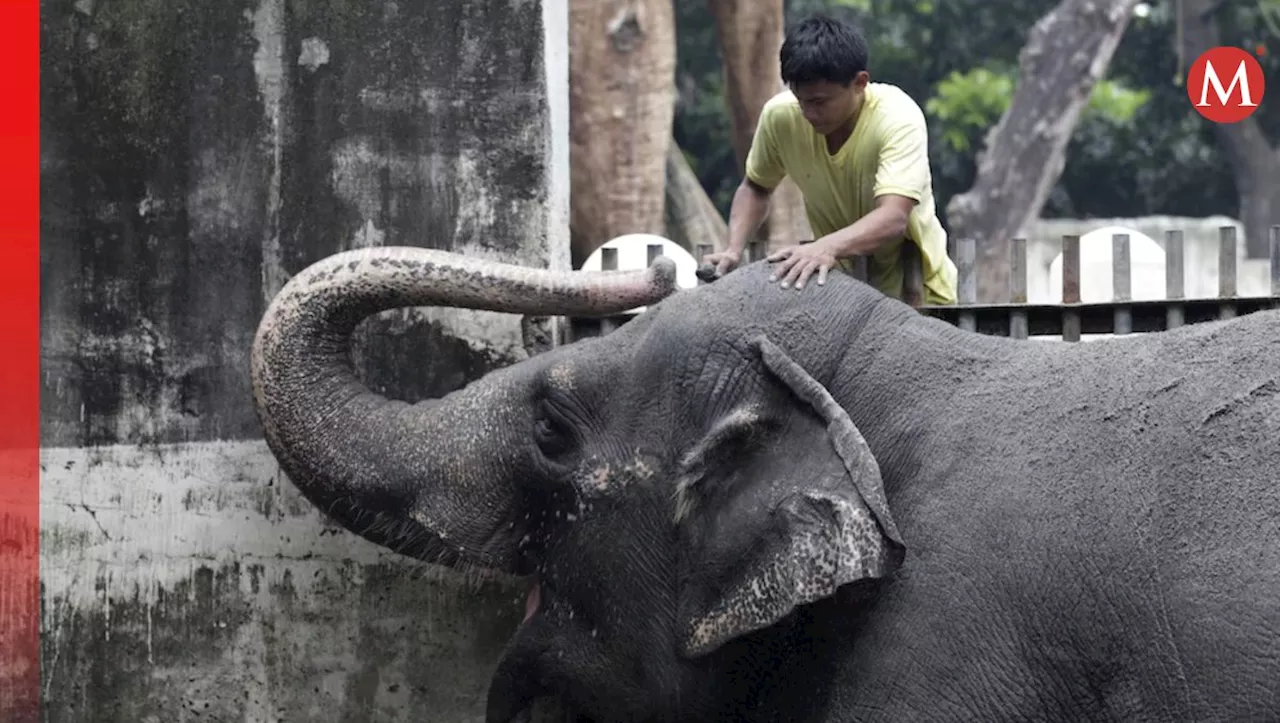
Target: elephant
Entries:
(751, 503)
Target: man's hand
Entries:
(725, 261)
(799, 262)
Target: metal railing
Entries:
(1122, 315)
(1069, 319)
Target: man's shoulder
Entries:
(894, 104)
(781, 111)
(782, 100)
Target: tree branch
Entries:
(692, 218)
(1066, 54)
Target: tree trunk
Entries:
(692, 217)
(1254, 160)
(750, 34)
(621, 105)
(1066, 54)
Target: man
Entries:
(858, 151)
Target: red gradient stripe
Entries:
(19, 361)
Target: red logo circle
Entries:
(1225, 84)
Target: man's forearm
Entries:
(746, 213)
(867, 234)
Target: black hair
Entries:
(822, 48)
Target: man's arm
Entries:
(748, 210)
(750, 206)
(866, 235)
(902, 176)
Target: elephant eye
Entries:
(547, 434)
(551, 432)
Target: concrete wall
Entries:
(194, 155)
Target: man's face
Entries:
(828, 105)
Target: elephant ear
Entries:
(779, 504)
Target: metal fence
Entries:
(1068, 319)
(1123, 315)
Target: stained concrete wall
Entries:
(194, 155)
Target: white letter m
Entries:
(1241, 77)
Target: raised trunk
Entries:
(622, 75)
(692, 218)
(750, 33)
(1066, 54)
(431, 480)
(1255, 163)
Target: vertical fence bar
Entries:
(1275, 266)
(608, 262)
(1174, 278)
(967, 281)
(1018, 328)
(1121, 283)
(1226, 270)
(862, 268)
(1070, 286)
(912, 274)
(700, 251)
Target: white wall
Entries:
(1200, 256)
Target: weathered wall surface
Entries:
(194, 155)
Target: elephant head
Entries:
(673, 488)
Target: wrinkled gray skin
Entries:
(751, 504)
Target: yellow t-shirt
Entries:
(888, 152)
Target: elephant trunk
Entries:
(433, 480)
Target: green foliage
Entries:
(966, 104)
(859, 5)
(1115, 103)
(1139, 148)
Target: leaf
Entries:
(863, 6)
(1116, 103)
(967, 103)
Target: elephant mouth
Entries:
(532, 599)
(432, 480)
(519, 681)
